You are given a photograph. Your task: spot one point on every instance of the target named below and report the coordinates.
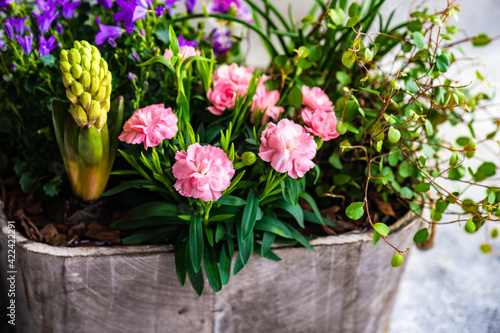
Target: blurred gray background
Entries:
(453, 287)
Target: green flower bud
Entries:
(77, 45)
(86, 52)
(101, 121)
(76, 70)
(103, 64)
(106, 80)
(85, 63)
(96, 55)
(94, 70)
(105, 105)
(101, 94)
(86, 45)
(76, 88)
(94, 110)
(101, 74)
(85, 100)
(74, 56)
(67, 79)
(108, 91)
(63, 55)
(79, 115)
(73, 99)
(85, 80)
(94, 85)
(248, 158)
(65, 66)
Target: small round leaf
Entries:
(355, 210)
(394, 135)
(397, 260)
(421, 235)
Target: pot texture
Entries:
(346, 285)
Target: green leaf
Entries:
(152, 209)
(442, 63)
(376, 237)
(196, 242)
(470, 227)
(249, 214)
(348, 58)
(481, 40)
(180, 262)
(226, 255)
(267, 241)
(303, 52)
(352, 21)
(153, 235)
(355, 210)
(397, 260)
(138, 183)
(485, 248)
(423, 187)
(394, 134)
(295, 97)
(353, 9)
(343, 77)
(196, 278)
(337, 15)
(494, 233)
(245, 246)
(485, 170)
(174, 45)
(291, 191)
(341, 127)
(295, 211)
(418, 39)
(299, 237)
(220, 217)
(371, 91)
(368, 54)
(381, 228)
(274, 226)
(421, 235)
(220, 231)
(211, 268)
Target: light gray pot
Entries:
(346, 285)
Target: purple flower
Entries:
(9, 31)
(45, 20)
(170, 3)
(221, 41)
(46, 45)
(130, 13)
(144, 3)
(135, 55)
(243, 11)
(190, 4)
(159, 11)
(106, 4)
(26, 43)
(17, 24)
(13, 67)
(4, 4)
(2, 43)
(47, 5)
(185, 42)
(68, 8)
(107, 33)
(59, 28)
(132, 76)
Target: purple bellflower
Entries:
(107, 33)
(144, 3)
(135, 55)
(185, 42)
(130, 13)
(190, 4)
(131, 76)
(45, 20)
(68, 8)
(26, 43)
(221, 41)
(159, 11)
(59, 28)
(4, 4)
(46, 45)
(106, 4)
(9, 31)
(2, 43)
(47, 5)
(17, 24)
(243, 11)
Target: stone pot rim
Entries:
(93, 251)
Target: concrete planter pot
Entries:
(347, 285)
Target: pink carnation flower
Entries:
(202, 172)
(150, 125)
(288, 147)
(266, 100)
(184, 52)
(315, 99)
(222, 96)
(323, 123)
(240, 76)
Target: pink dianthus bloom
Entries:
(222, 96)
(150, 125)
(323, 123)
(288, 147)
(315, 99)
(202, 172)
(184, 52)
(266, 100)
(240, 76)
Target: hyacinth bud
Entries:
(76, 88)
(94, 111)
(67, 79)
(85, 79)
(85, 100)
(101, 120)
(88, 82)
(65, 66)
(63, 55)
(101, 94)
(79, 115)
